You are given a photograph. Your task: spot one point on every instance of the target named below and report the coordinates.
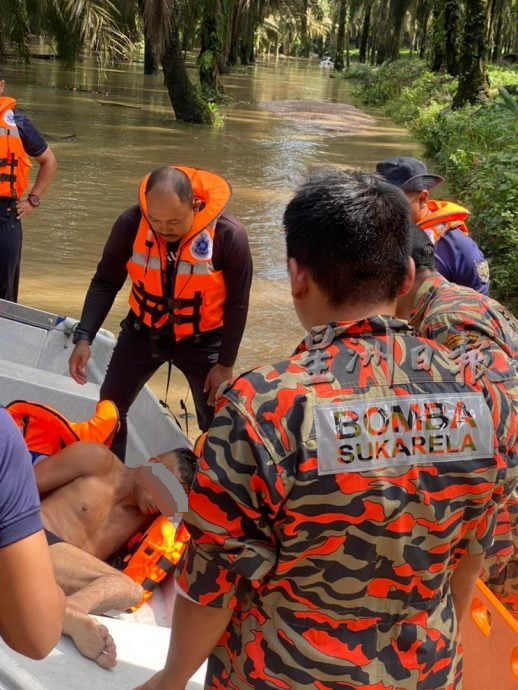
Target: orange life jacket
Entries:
(199, 292)
(443, 217)
(46, 431)
(14, 162)
(150, 555)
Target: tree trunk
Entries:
(423, 12)
(494, 34)
(380, 32)
(233, 49)
(187, 103)
(211, 48)
(150, 58)
(150, 61)
(304, 39)
(365, 31)
(340, 36)
(451, 25)
(473, 85)
(397, 14)
(438, 37)
(245, 44)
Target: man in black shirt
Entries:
(191, 269)
(19, 139)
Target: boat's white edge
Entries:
(141, 651)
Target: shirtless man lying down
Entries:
(91, 505)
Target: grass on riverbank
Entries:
(475, 148)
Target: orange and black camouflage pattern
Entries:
(467, 322)
(338, 579)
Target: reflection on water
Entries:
(109, 147)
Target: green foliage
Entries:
(217, 115)
(378, 85)
(476, 148)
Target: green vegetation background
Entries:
(475, 148)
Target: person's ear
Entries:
(409, 278)
(298, 279)
(155, 458)
(423, 197)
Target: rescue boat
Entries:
(34, 349)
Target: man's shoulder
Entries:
(228, 224)
(33, 142)
(446, 295)
(461, 243)
(129, 220)
(463, 309)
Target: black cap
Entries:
(421, 248)
(407, 173)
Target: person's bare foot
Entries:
(91, 637)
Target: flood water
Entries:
(109, 131)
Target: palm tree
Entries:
(161, 17)
(71, 25)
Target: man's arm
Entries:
(236, 263)
(77, 460)
(195, 631)
(31, 602)
(235, 260)
(108, 280)
(47, 169)
(459, 259)
(232, 546)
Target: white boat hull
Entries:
(34, 351)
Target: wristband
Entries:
(80, 335)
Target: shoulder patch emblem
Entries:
(482, 270)
(201, 248)
(9, 118)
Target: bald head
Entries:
(169, 180)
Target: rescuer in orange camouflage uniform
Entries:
(346, 495)
(485, 334)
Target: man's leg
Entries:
(130, 368)
(91, 586)
(10, 252)
(195, 362)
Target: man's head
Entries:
(412, 176)
(349, 232)
(151, 493)
(422, 252)
(170, 203)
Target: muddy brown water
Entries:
(109, 131)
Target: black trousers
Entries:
(10, 250)
(136, 357)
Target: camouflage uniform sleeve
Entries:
(235, 495)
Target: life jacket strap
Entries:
(149, 304)
(160, 307)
